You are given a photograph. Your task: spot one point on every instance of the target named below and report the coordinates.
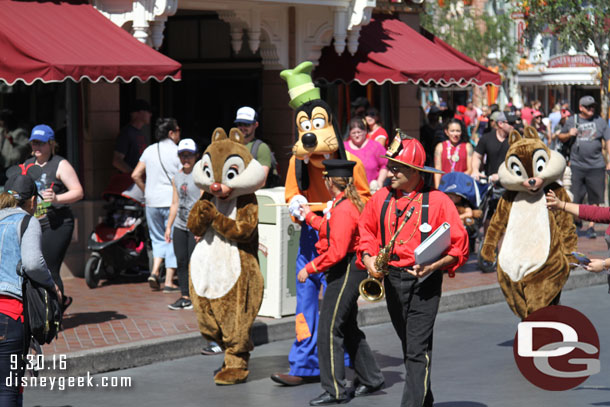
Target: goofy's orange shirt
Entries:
(317, 191)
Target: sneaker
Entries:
(181, 303)
(591, 233)
(168, 289)
(212, 349)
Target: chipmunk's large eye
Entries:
(232, 168)
(514, 166)
(540, 159)
(206, 168)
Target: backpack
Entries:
(565, 148)
(273, 178)
(42, 312)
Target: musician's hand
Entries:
(420, 271)
(369, 263)
(303, 275)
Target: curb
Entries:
(150, 351)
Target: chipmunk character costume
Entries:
(318, 139)
(226, 285)
(533, 263)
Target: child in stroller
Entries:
(467, 195)
(120, 242)
(475, 203)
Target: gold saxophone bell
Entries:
(371, 289)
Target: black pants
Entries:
(56, 238)
(338, 331)
(184, 244)
(11, 362)
(413, 308)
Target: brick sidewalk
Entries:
(127, 311)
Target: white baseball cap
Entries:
(187, 144)
(246, 115)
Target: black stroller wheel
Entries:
(93, 271)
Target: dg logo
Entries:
(557, 348)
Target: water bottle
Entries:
(42, 205)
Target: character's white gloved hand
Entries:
(329, 205)
(373, 186)
(295, 206)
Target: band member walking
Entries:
(411, 300)
(338, 330)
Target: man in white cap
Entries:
(584, 133)
(246, 120)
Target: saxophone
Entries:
(371, 289)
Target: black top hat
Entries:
(339, 168)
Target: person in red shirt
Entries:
(411, 301)
(338, 327)
(376, 130)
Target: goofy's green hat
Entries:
(300, 86)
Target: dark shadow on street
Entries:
(507, 343)
(387, 361)
(88, 318)
(264, 367)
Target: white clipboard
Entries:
(431, 249)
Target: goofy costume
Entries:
(318, 138)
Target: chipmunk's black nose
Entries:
(532, 182)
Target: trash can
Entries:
(278, 243)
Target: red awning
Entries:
(390, 50)
(55, 41)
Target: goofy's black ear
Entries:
(302, 175)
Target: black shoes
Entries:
(212, 349)
(181, 303)
(364, 390)
(326, 399)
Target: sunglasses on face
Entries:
(37, 143)
(397, 168)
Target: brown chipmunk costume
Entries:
(533, 262)
(226, 285)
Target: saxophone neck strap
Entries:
(424, 215)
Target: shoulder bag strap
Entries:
(161, 162)
(254, 148)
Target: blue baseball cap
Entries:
(43, 133)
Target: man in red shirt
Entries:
(409, 296)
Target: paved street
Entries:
(473, 367)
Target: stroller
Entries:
(468, 193)
(121, 242)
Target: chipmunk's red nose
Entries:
(215, 187)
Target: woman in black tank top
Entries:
(59, 186)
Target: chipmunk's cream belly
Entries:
(215, 264)
(527, 240)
